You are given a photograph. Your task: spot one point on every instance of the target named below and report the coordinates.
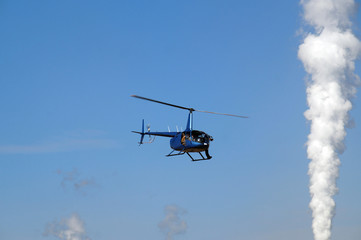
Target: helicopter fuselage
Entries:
(190, 141)
(183, 142)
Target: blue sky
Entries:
(68, 69)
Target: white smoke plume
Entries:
(71, 228)
(328, 55)
(172, 224)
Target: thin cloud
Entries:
(73, 180)
(76, 141)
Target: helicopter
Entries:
(186, 141)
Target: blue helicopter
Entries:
(186, 141)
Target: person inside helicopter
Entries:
(198, 136)
(185, 136)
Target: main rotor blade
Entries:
(226, 114)
(172, 105)
(189, 109)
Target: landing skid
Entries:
(175, 154)
(194, 160)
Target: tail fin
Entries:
(142, 136)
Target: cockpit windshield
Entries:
(198, 136)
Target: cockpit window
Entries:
(198, 136)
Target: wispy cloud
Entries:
(71, 228)
(73, 180)
(172, 224)
(74, 141)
